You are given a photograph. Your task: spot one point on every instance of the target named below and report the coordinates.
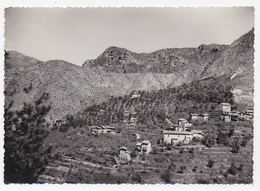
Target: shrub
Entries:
(235, 147)
(240, 168)
(232, 169)
(181, 151)
(191, 150)
(195, 169)
(210, 163)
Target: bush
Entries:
(191, 150)
(232, 169)
(195, 169)
(240, 168)
(210, 163)
(181, 151)
(235, 147)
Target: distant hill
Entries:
(15, 59)
(117, 72)
(71, 87)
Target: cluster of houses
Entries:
(142, 148)
(199, 117)
(227, 115)
(130, 118)
(177, 134)
(96, 130)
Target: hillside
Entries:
(17, 59)
(189, 64)
(72, 88)
(118, 72)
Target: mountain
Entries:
(189, 64)
(117, 72)
(17, 59)
(71, 87)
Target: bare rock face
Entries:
(118, 71)
(188, 64)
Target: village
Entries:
(141, 149)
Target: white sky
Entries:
(78, 34)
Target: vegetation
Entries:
(152, 107)
(210, 163)
(25, 154)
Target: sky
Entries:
(79, 34)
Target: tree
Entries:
(235, 147)
(210, 163)
(232, 169)
(25, 154)
(167, 174)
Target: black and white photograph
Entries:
(127, 95)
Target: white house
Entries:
(197, 134)
(225, 107)
(183, 124)
(194, 116)
(124, 154)
(96, 130)
(176, 137)
(138, 146)
(226, 117)
(135, 94)
(204, 116)
(146, 147)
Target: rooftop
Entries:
(95, 127)
(178, 132)
(197, 131)
(226, 104)
(123, 148)
(146, 142)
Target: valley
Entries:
(172, 116)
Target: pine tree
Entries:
(25, 154)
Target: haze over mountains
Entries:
(118, 71)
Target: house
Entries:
(132, 121)
(225, 107)
(126, 113)
(249, 112)
(138, 147)
(204, 116)
(226, 117)
(108, 129)
(95, 130)
(183, 124)
(135, 94)
(101, 112)
(177, 137)
(124, 154)
(235, 115)
(146, 147)
(198, 134)
(194, 116)
(173, 128)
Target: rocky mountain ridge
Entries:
(118, 71)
